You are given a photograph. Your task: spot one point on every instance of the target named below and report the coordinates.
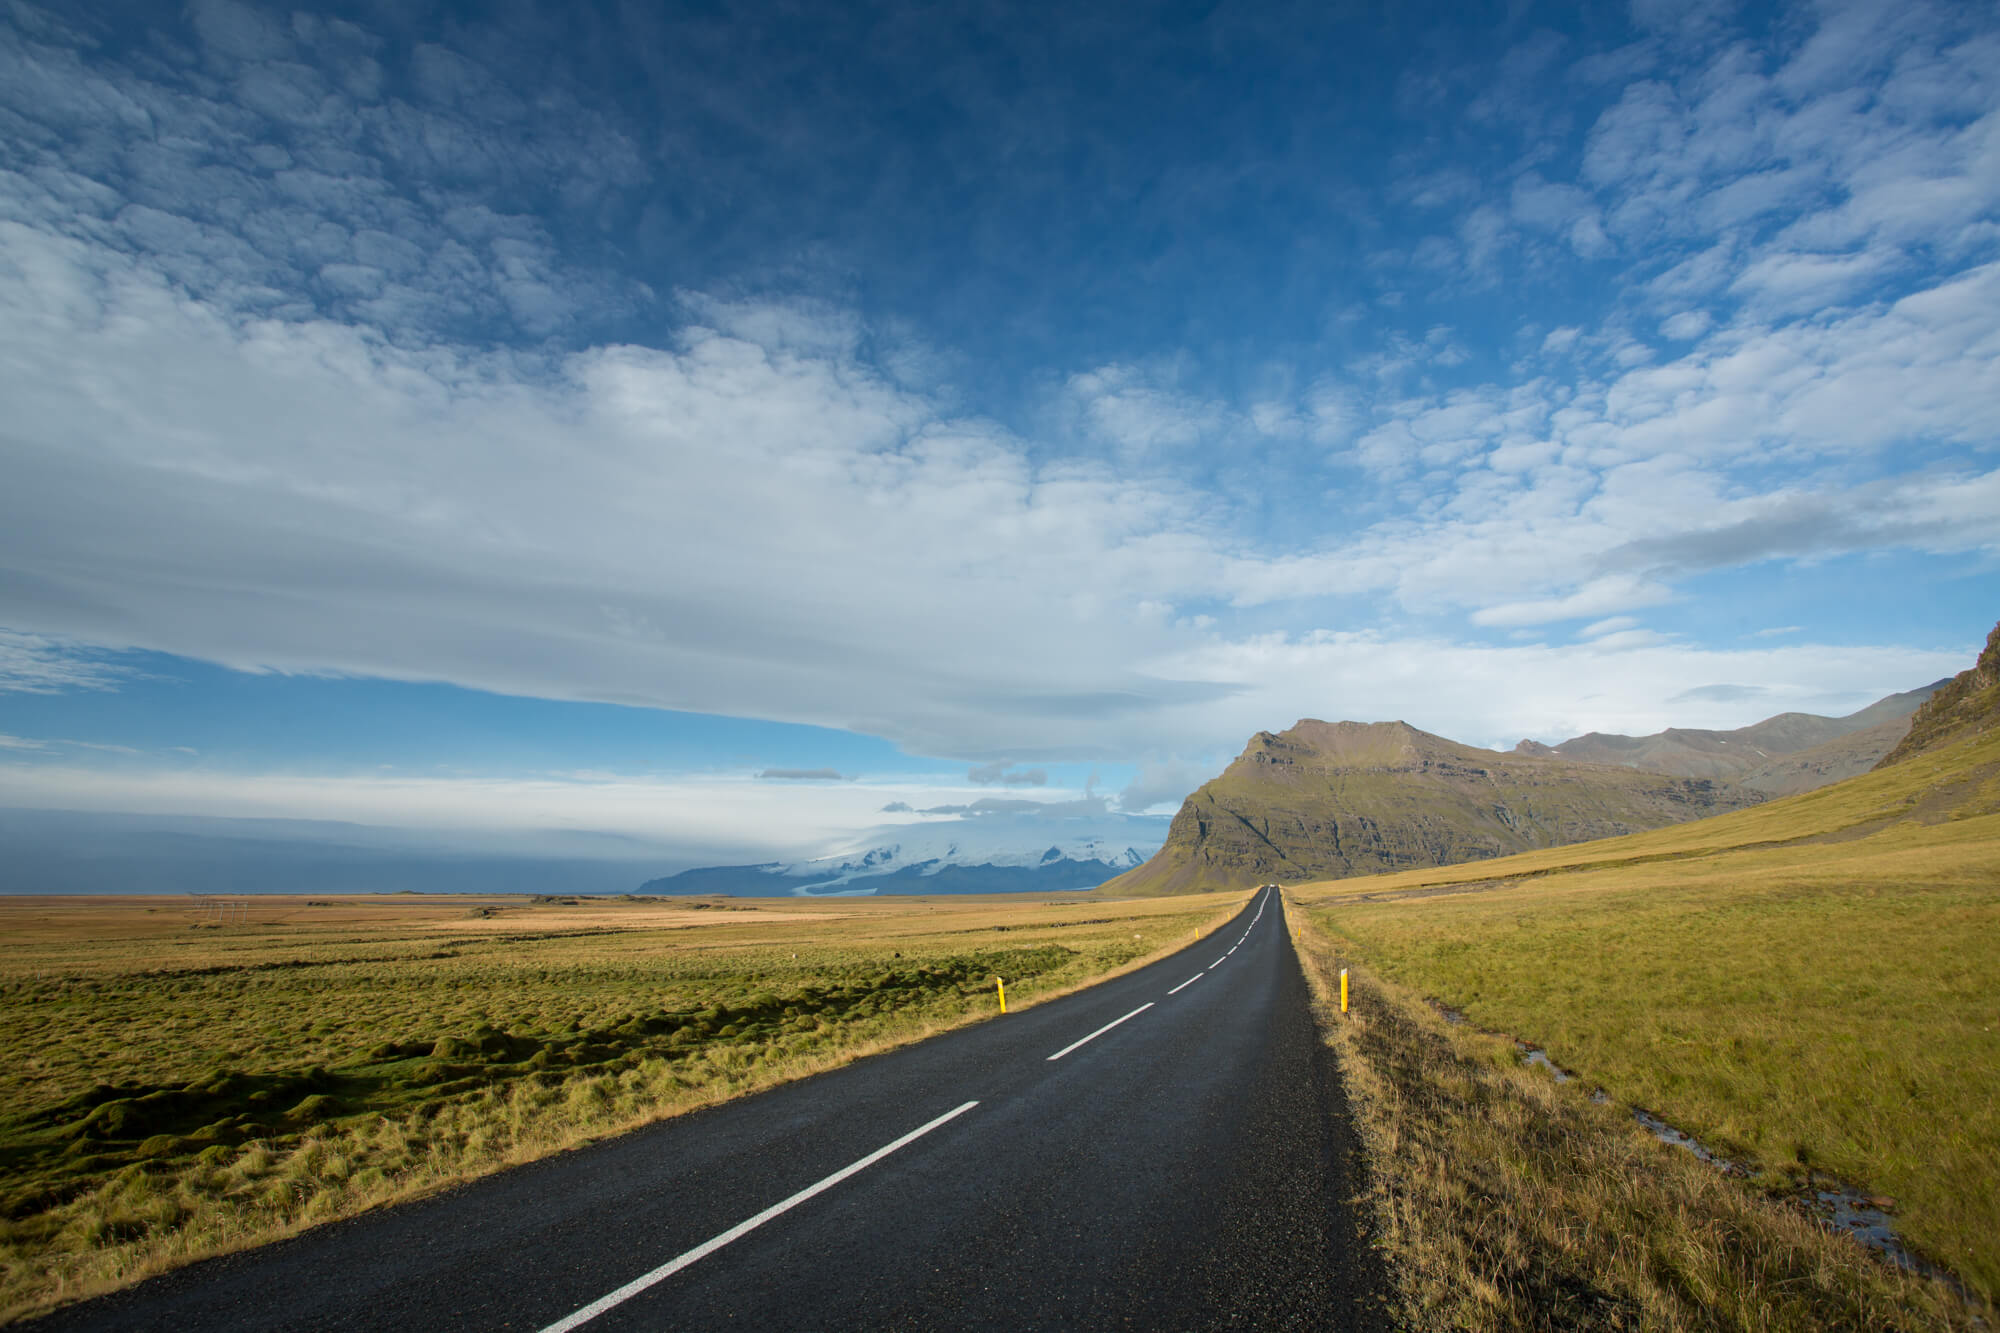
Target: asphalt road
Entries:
(1186, 1167)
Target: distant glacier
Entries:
(1010, 853)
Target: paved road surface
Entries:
(1163, 1151)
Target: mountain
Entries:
(986, 854)
(1325, 800)
(1845, 757)
(1966, 705)
(1756, 755)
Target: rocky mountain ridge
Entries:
(1756, 756)
(1325, 800)
(1969, 702)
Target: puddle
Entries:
(1866, 1218)
(1534, 1055)
(1837, 1207)
(1666, 1133)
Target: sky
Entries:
(742, 426)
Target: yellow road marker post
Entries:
(1002, 983)
(1343, 990)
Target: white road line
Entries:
(1217, 963)
(1101, 1031)
(708, 1247)
(1189, 982)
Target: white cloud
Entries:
(1561, 209)
(1140, 413)
(1163, 784)
(1797, 282)
(706, 817)
(708, 813)
(1007, 775)
(1687, 325)
(1612, 592)
(714, 525)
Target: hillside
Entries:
(1844, 757)
(1756, 755)
(1326, 800)
(1966, 705)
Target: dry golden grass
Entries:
(179, 1088)
(1507, 1201)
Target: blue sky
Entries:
(427, 417)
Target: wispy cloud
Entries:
(39, 664)
(705, 816)
(1007, 775)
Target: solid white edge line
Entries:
(1101, 1031)
(1189, 982)
(708, 1247)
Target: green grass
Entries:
(178, 1089)
(1807, 985)
(1509, 1201)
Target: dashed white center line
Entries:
(744, 1228)
(1101, 1031)
(741, 1229)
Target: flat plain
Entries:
(188, 1077)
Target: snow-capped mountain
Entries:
(985, 854)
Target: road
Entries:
(1166, 1150)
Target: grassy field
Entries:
(1806, 986)
(1509, 1201)
(178, 1087)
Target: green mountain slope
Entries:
(1326, 800)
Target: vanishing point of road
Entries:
(1166, 1150)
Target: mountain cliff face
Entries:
(1325, 800)
(1966, 704)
